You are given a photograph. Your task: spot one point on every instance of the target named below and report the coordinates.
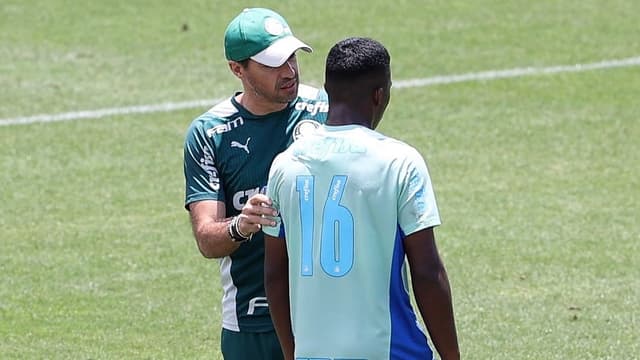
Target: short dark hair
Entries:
(356, 62)
(244, 63)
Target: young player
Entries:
(353, 204)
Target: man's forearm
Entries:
(278, 297)
(276, 283)
(213, 239)
(433, 296)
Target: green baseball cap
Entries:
(261, 35)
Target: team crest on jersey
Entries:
(304, 127)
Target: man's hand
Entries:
(256, 212)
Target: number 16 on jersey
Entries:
(336, 240)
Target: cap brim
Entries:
(276, 54)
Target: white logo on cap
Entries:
(273, 26)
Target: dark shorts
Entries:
(248, 345)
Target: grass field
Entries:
(537, 177)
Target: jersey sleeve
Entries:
(273, 186)
(417, 208)
(316, 102)
(202, 180)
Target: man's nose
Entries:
(289, 67)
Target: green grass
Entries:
(537, 177)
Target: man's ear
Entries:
(378, 96)
(236, 68)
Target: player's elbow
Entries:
(207, 248)
(208, 253)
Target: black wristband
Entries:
(234, 231)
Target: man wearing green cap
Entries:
(227, 154)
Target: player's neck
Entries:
(342, 114)
(257, 105)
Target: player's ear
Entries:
(236, 68)
(378, 96)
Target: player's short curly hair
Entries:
(356, 58)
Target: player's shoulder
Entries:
(279, 165)
(310, 107)
(216, 119)
(289, 159)
(311, 92)
(398, 148)
(222, 110)
(285, 156)
(312, 96)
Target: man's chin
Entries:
(290, 94)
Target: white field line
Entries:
(430, 81)
(95, 114)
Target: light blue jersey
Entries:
(348, 196)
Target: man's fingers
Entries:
(259, 204)
(256, 213)
(259, 200)
(259, 211)
(253, 223)
(261, 220)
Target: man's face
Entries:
(269, 84)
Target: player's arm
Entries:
(432, 291)
(205, 199)
(276, 282)
(209, 227)
(212, 230)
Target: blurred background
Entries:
(526, 112)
